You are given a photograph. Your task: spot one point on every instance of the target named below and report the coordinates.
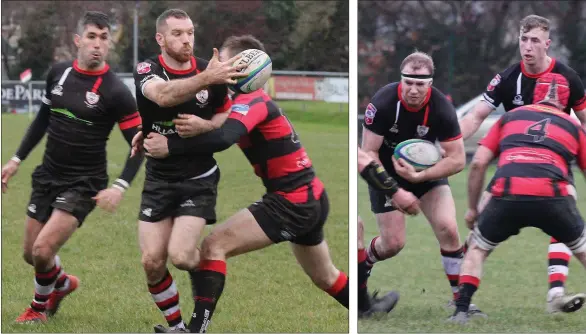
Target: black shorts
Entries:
(505, 217)
(192, 197)
(71, 195)
(381, 203)
(299, 223)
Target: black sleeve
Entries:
(377, 111)
(133, 164)
(493, 93)
(449, 125)
(577, 100)
(35, 132)
(209, 142)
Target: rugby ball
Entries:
(419, 153)
(259, 71)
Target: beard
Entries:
(182, 56)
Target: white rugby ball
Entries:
(419, 153)
(259, 71)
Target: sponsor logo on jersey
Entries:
(369, 114)
(493, 83)
(518, 100)
(241, 108)
(422, 130)
(143, 68)
(91, 98)
(57, 90)
(394, 128)
(202, 96)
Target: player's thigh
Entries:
(32, 229)
(56, 232)
(391, 226)
(240, 234)
(499, 221)
(158, 201)
(153, 239)
(186, 233)
(439, 207)
(197, 197)
(317, 263)
(563, 221)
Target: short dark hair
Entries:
(98, 19)
(531, 22)
(173, 12)
(418, 60)
(237, 44)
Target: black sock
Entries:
(363, 274)
(467, 288)
(341, 290)
(209, 280)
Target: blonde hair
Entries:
(418, 60)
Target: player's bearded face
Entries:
(533, 46)
(94, 45)
(179, 39)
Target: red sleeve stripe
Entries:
(580, 104)
(225, 107)
(130, 122)
(452, 139)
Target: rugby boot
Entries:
(566, 303)
(57, 296)
(473, 310)
(460, 318)
(163, 329)
(383, 304)
(31, 316)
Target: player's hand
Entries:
(156, 146)
(8, 171)
(407, 171)
(137, 143)
(191, 125)
(470, 218)
(219, 72)
(405, 202)
(108, 199)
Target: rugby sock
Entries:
(363, 274)
(166, 297)
(340, 290)
(452, 262)
(209, 279)
(44, 285)
(62, 283)
(468, 286)
(558, 259)
(372, 256)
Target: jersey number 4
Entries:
(538, 130)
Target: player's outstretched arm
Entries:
(173, 92)
(476, 177)
(209, 142)
(471, 122)
(371, 143)
(33, 136)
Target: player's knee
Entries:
(184, 260)
(447, 233)
(211, 248)
(393, 244)
(41, 254)
(154, 266)
(28, 257)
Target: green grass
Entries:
(266, 291)
(512, 291)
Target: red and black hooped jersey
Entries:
(273, 147)
(514, 87)
(389, 116)
(536, 145)
(84, 108)
(205, 104)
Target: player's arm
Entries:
(470, 123)
(581, 156)
(488, 149)
(173, 92)
(577, 100)
(222, 107)
(371, 143)
(34, 134)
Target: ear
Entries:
(430, 82)
(160, 39)
(547, 43)
(77, 40)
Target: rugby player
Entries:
(82, 102)
(514, 87)
(404, 110)
(294, 208)
(533, 186)
(179, 194)
(376, 176)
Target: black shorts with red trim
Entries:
(72, 195)
(504, 217)
(297, 216)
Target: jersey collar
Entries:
(100, 72)
(427, 97)
(179, 72)
(533, 76)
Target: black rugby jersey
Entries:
(84, 106)
(159, 119)
(514, 87)
(387, 115)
